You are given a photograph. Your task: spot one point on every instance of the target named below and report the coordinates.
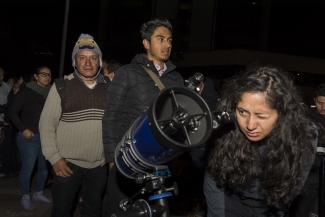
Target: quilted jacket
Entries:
(130, 94)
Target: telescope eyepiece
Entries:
(222, 118)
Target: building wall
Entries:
(201, 26)
(166, 9)
(246, 57)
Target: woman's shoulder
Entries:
(24, 93)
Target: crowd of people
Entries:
(263, 164)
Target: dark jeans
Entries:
(7, 153)
(14, 133)
(31, 152)
(64, 190)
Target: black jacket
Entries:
(26, 109)
(129, 95)
(320, 123)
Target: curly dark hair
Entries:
(235, 161)
(148, 28)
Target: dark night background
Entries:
(31, 30)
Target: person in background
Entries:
(24, 113)
(110, 67)
(4, 92)
(104, 70)
(259, 164)
(320, 100)
(9, 152)
(19, 85)
(11, 160)
(11, 81)
(306, 203)
(11, 163)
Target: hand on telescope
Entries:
(61, 168)
(111, 164)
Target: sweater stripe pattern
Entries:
(81, 124)
(83, 103)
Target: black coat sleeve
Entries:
(15, 109)
(112, 124)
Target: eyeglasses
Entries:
(44, 75)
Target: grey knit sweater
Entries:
(77, 135)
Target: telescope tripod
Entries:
(153, 184)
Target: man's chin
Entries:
(87, 75)
(165, 59)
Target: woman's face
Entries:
(15, 88)
(44, 77)
(11, 82)
(254, 116)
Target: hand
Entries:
(103, 154)
(61, 168)
(28, 134)
(6, 124)
(110, 165)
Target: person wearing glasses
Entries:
(25, 112)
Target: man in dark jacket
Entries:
(306, 203)
(130, 94)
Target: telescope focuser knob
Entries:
(174, 188)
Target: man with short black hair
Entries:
(320, 99)
(130, 94)
(306, 203)
(109, 68)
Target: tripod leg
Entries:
(163, 201)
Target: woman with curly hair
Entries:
(259, 165)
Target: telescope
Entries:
(193, 82)
(178, 120)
